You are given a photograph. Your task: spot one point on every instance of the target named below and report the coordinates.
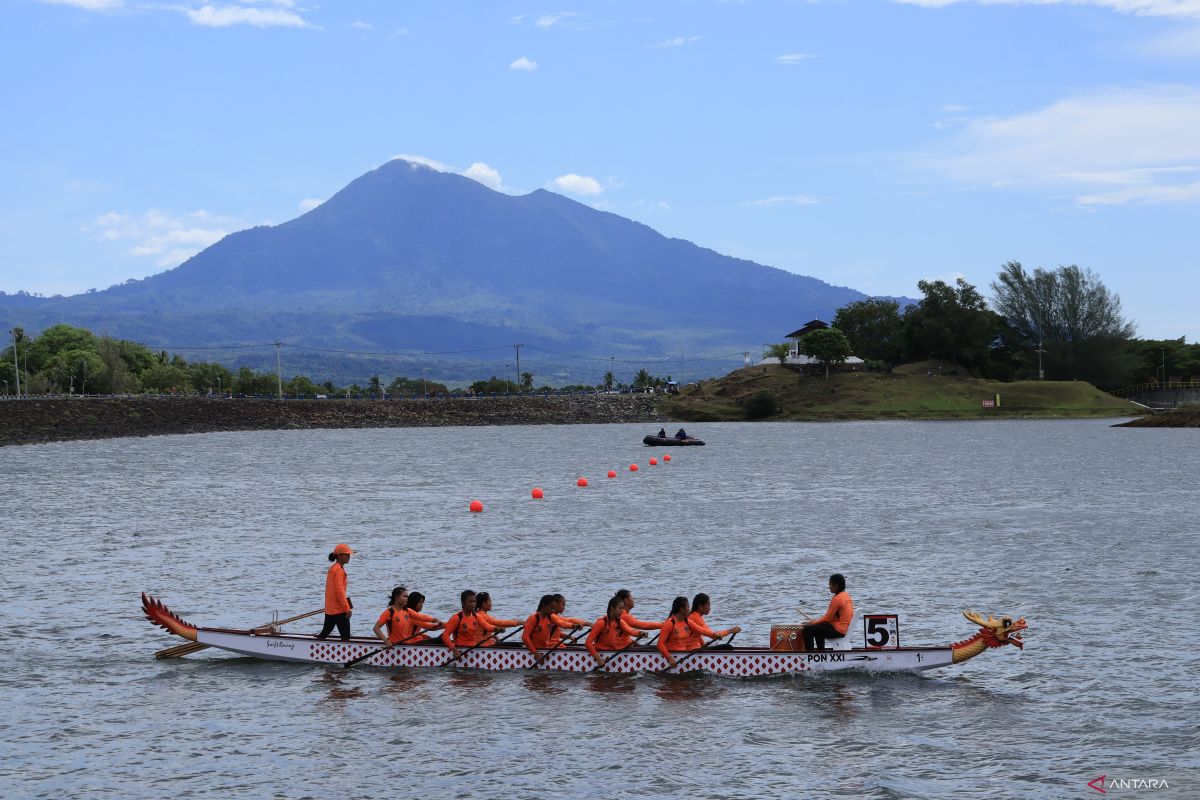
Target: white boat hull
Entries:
(742, 662)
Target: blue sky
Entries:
(868, 144)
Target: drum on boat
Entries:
(787, 638)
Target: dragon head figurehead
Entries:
(993, 632)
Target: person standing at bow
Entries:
(466, 628)
(610, 632)
(675, 634)
(337, 605)
(627, 598)
(835, 622)
(700, 607)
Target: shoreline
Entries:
(41, 421)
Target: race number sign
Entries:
(881, 631)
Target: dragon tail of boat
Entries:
(167, 619)
(992, 633)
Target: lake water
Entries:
(1088, 531)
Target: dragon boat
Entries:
(880, 651)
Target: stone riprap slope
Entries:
(51, 420)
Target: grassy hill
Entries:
(926, 390)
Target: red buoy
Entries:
(581, 482)
(537, 493)
(612, 473)
(667, 457)
(633, 467)
(654, 462)
(476, 506)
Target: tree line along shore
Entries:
(39, 420)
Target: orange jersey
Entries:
(405, 625)
(465, 630)
(609, 636)
(675, 636)
(540, 633)
(839, 613)
(700, 628)
(336, 601)
(499, 623)
(633, 622)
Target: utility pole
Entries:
(16, 363)
(1164, 365)
(681, 366)
(279, 368)
(518, 349)
(1041, 374)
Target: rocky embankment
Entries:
(44, 420)
(1182, 417)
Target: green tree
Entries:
(526, 380)
(1070, 315)
(168, 379)
(206, 377)
(115, 377)
(780, 351)
(301, 385)
(952, 323)
(761, 405)
(73, 369)
(643, 379)
(59, 339)
(827, 346)
(374, 387)
(608, 381)
(875, 329)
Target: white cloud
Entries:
(486, 175)
(308, 204)
(88, 5)
(1141, 8)
(422, 161)
(678, 41)
(170, 239)
(211, 16)
(523, 64)
(779, 200)
(1178, 44)
(793, 58)
(362, 26)
(662, 205)
(479, 171)
(1140, 141)
(576, 184)
(548, 21)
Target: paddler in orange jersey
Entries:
(611, 632)
(540, 626)
(574, 623)
(675, 633)
(627, 596)
(337, 605)
(483, 607)
(466, 628)
(836, 620)
(391, 615)
(700, 607)
(415, 621)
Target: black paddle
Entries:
(349, 664)
(481, 644)
(609, 660)
(697, 650)
(563, 643)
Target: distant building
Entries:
(794, 357)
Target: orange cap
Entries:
(342, 550)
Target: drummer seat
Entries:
(846, 643)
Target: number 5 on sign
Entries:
(881, 631)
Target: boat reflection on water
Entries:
(689, 687)
(611, 682)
